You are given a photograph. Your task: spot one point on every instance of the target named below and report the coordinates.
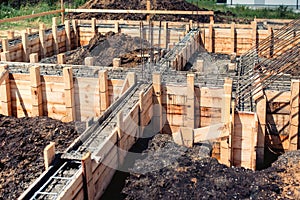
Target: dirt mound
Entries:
(141, 5)
(104, 48)
(22, 141)
(196, 176)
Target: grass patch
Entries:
(8, 11)
(282, 12)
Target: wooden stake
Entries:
(87, 173)
(49, 155)
(233, 38)
(103, 90)
(42, 37)
(69, 94)
(10, 35)
(75, 30)
(5, 56)
(5, 95)
(93, 26)
(294, 115)
(54, 33)
(34, 58)
(190, 102)
(89, 61)
(225, 118)
(254, 33)
(26, 50)
(68, 35)
(117, 28)
(36, 91)
(61, 59)
(5, 46)
(157, 102)
(141, 113)
(261, 111)
(210, 39)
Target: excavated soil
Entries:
(22, 141)
(190, 174)
(220, 17)
(104, 48)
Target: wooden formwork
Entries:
(64, 97)
(218, 38)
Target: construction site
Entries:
(150, 100)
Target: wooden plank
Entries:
(30, 16)
(294, 116)
(49, 154)
(87, 175)
(36, 91)
(5, 91)
(211, 132)
(69, 94)
(154, 12)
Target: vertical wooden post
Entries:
(211, 19)
(294, 115)
(103, 89)
(62, 7)
(87, 173)
(93, 26)
(34, 58)
(233, 38)
(117, 28)
(42, 37)
(5, 46)
(191, 24)
(28, 31)
(254, 33)
(26, 50)
(68, 35)
(10, 35)
(61, 59)
(271, 34)
(131, 77)
(157, 102)
(225, 118)
(190, 102)
(166, 35)
(231, 133)
(261, 111)
(210, 39)
(75, 30)
(89, 61)
(116, 62)
(141, 113)
(54, 33)
(5, 56)
(5, 96)
(69, 94)
(36, 91)
(49, 154)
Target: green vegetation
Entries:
(282, 12)
(9, 11)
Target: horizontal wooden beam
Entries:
(30, 16)
(154, 12)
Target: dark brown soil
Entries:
(104, 48)
(22, 141)
(194, 176)
(220, 17)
